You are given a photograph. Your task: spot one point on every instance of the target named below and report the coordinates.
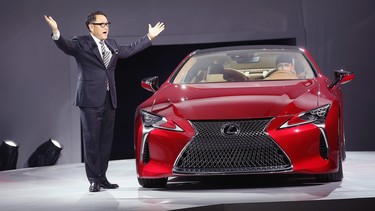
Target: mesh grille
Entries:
(146, 154)
(251, 150)
(323, 147)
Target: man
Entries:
(284, 69)
(96, 57)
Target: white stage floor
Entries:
(64, 187)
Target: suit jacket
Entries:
(92, 73)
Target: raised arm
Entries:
(69, 47)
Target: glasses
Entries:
(102, 24)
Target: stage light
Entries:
(8, 155)
(46, 154)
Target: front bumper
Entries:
(258, 148)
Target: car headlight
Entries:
(316, 116)
(150, 120)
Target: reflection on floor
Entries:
(64, 187)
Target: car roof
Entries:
(248, 47)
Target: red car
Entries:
(242, 110)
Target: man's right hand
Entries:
(52, 23)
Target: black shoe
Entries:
(108, 185)
(94, 187)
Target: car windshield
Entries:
(243, 66)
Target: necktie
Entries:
(106, 57)
(105, 54)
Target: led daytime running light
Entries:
(317, 115)
(150, 120)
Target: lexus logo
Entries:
(230, 129)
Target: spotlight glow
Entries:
(11, 143)
(56, 143)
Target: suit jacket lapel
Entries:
(94, 49)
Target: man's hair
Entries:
(91, 18)
(284, 59)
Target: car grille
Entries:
(323, 147)
(146, 154)
(245, 149)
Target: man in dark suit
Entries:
(96, 57)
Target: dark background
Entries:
(38, 81)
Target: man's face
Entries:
(100, 27)
(288, 67)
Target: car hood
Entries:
(236, 100)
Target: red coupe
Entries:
(242, 110)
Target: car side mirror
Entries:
(341, 77)
(150, 84)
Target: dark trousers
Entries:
(97, 127)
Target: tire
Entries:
(332, 177)
(153, 183)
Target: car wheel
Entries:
(332, 177)
(153, 183)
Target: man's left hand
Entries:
(155, 31)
